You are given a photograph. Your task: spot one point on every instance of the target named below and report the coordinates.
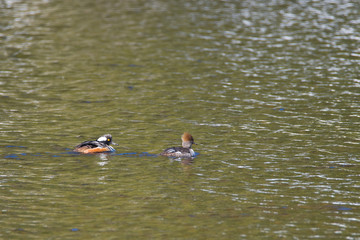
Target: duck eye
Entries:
(108, 139)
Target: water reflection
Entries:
(184, 161)
(103, 157)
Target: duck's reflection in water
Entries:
(186, 162)
(104, 159)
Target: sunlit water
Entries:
(269, 90)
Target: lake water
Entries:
(270, 90)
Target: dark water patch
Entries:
(13, 146)
(134, 65)
(20, 230)
(13, 156)
(47, 154)
(342, 208)
(135, 154)
(146, 154)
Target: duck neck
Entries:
(186, 144)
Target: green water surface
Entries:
(268, 89)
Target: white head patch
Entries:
(102, 139)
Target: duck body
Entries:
(178, 152)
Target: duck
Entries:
(184, 151)
(102, 144)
